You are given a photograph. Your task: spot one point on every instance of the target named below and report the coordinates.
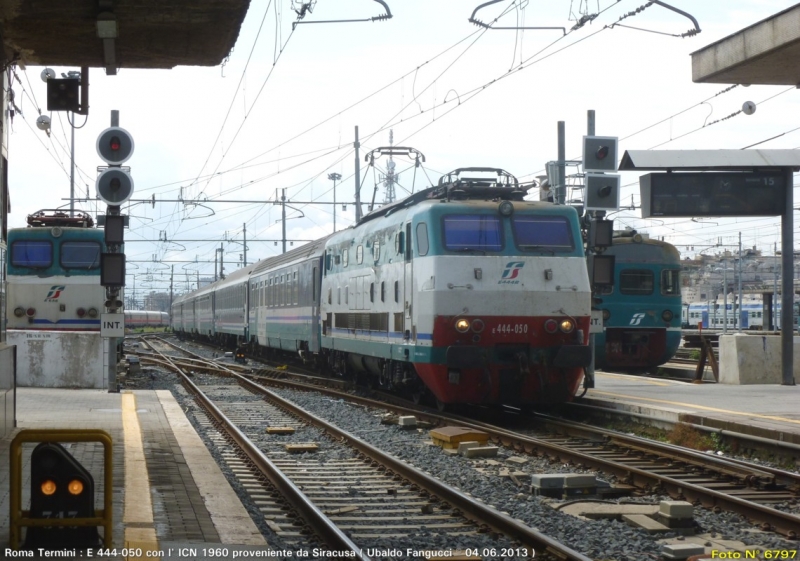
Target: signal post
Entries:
(114, 187)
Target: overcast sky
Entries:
(281, 113)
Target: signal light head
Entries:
(601, 153)
(75, 487)
(48, 487)
(115, 143)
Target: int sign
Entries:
(687, 194)
(112, 325)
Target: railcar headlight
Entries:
(551, 326)
(19, 311)
(92, 312)
(606, 314)
(667, 315)
(48, 487)
(462, 325)
(81, 312)
(30, 312)
(566, 326)
(478, 325)
(506, 208)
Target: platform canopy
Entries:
(702, 160)
(767, 52)
(120, 33)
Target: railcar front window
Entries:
(542, 233)
(472, 233)
(636, 282)
(670, 283)
(29, 253)
(80, 255)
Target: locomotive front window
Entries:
(537, 233)
(30, 253)
(670, 283)
(472, 232)
(80, 255)
(636, 282)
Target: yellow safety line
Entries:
(140, 532)
(691, 405)
(638, 379)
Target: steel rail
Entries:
(470, 507)
(323, 526)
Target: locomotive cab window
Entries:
(80, 255)
(636, 282)
(670, 282)
(471, 232)
(537, 233)
(422, 238)
(32, 253)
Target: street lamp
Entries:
(334, 177)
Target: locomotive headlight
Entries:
(92, 312)
(462, 325)
(19, 311)
(606, 314)
(566, 326)
(478, 325)
(506, 208)
(551, 326)
(81, 312)
(667, 315)
(48, 487)
(30, 312)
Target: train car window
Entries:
(396, 291)
(372, 292)
(295, 287)
(80, 255)
(670, 282)
(399, 245)
(422, 239)
(383, 291)
(345, 257)
(376, 250)
(536, 233)
(636, 282)
(30, 253)
(471, 232)
(360, 254)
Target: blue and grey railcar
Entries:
(642, 312)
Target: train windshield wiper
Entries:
(525, 247)
(468, 249)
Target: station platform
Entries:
(168, 491)
(767, 411)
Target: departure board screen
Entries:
(713, 194)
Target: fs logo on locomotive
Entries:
(55, 292)
(511, 272)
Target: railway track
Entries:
(703, 479)
(353, 498)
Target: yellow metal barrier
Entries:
(20, 518)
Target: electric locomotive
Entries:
(642, 311)
(55, 300)
(464, 290)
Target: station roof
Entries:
(701, 160)
(767, 52)
(149, 33)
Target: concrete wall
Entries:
(66, 359)
(7, 389)
(753, 359)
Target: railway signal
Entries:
(600, 153)
(60, 488)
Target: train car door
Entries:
(408, 288)
(315, 296)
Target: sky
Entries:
(214, 145)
